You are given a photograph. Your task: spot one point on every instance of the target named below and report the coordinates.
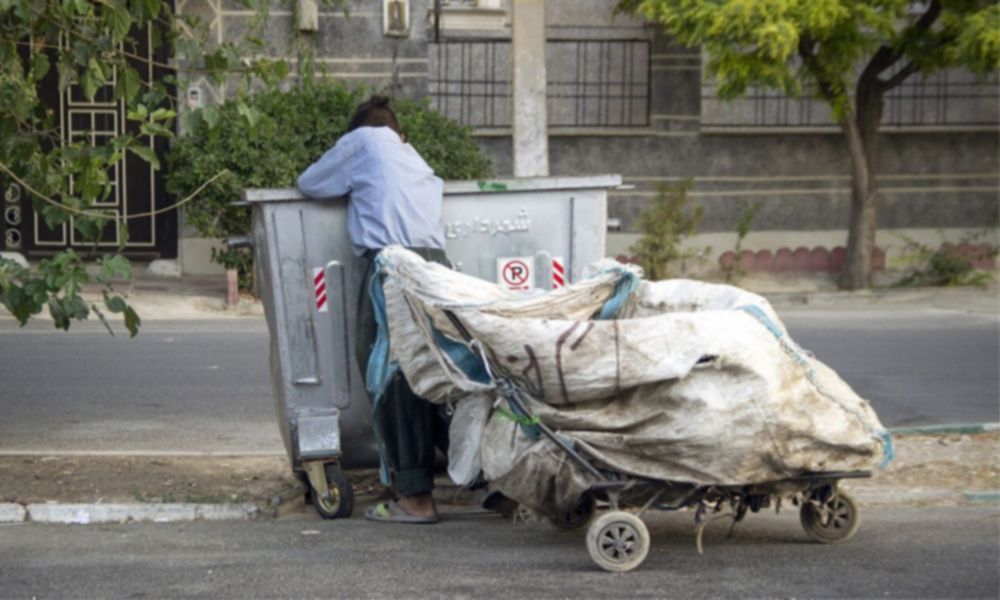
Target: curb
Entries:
(83, 514)
(880, 499)
(982, 497)
(12, 513)
(880, 294)
(946, 429)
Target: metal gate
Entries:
(136, 187)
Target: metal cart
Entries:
(619, 541)
(537, 232)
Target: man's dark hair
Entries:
(374, 113)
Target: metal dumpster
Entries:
(521, 233)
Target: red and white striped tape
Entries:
(558, 273)
(319, 281)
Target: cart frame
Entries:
(619, 541)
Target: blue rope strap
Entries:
(379, 370)
(627, 284)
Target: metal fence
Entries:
(591, 83)
(945, 99)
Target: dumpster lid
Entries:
(481, 186)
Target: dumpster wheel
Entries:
(337, 501)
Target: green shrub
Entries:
(668, 221)
(296, 127)
(943, 267)
(748, 212)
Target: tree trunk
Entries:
(861, 131)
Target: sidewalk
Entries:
(170, 298)
(204, 297)
(983, 301)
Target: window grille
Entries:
(591, 83)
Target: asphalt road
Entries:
(901, 553)
(205, 385)
(189, 385)
(916, 367)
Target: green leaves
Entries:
(669, 220)
(154, 124)
(138, 113)
(118, 305)
(67, 71)
(58, 286)
(111, 266)
(147, 154)
(146, 10)
(977, 44)
(91, 229)
(89, 84)
(64, 272)
(39, 65)
(132, 321)
(19, 292)
(129, 85)
(252, 117)
(118, 21)
(211, 115)
(192, 120)
(190, 51)
(162, 114)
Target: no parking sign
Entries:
(516, 273)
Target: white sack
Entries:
(690, 382)
(464, 436)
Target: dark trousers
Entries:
(410, 427)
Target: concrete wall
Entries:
(802, 181)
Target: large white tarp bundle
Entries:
(676, 381)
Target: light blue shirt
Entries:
(395, 198)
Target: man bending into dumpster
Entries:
(394, 199)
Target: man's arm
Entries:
(330, 176)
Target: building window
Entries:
(591, 83)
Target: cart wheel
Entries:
(340, 503)
(842, 519)
(578, 516)
(618, 541)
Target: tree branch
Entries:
(885, 85)
(809, 60)
(886, 56)
(44, 46)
